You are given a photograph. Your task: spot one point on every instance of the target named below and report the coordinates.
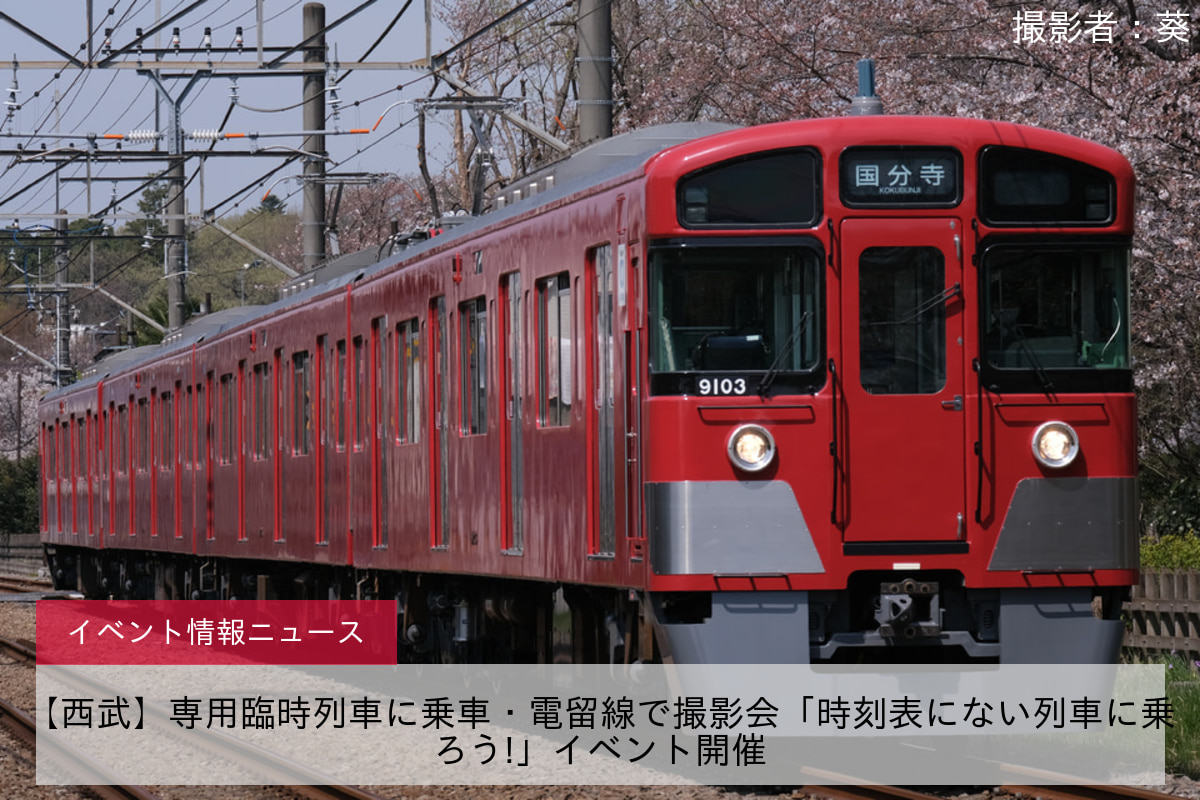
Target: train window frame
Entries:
(689, 190)
(554, 359)
(408, 381)
(899, 152)
(473, 366)
(1040, 377)
(686, 381)
(986, 187)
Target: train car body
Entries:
(810, 391)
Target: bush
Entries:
(1176, 550)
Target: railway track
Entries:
(18, 650)
(1082, 792)
(272, 768)
(24, 585)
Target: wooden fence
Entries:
(1165, 612)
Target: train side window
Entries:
(166, 442)
(340, 401)
(121, 441)
(902, 335)
(361, 390)
(301, 404)
(260, 411)
(554, 350)
(408, 381)
(472, 350)
(227, 422)
(187, 430)
(143, 437)
(81, 444)
(51, 466)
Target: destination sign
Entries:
(901, 176)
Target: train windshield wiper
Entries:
(1030, 355)
(764, 385)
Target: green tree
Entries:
(19, 495)
(272, 205)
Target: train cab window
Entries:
(555, 341)
(1018, 186)
(472, 316)
(408, 377)
(778, 189)
(735, 317)
(902, 320)
(1058, 313)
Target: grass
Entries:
(1183, 738)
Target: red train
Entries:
(834, 389)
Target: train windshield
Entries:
(1053, 308)
(733, 317)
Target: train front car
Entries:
(890, 411)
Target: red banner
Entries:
(216, 632)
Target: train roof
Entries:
(590, 165)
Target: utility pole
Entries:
(62, 323)
(595, 70)
(314, 120)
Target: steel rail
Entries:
(15, 648)
(258, 760)
(1084, 792)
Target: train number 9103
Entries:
(721, 386)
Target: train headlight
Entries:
(1055, 444)
(751, 448)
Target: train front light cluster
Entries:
(751, 448)
(1055, 444)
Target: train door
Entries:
(511, 360)
(603, 428)
(903, 378)
(633, 410)
(439, 424)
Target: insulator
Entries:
(238, 40)
(175, 39)
(205, 134)
(145, 135)
(207, 41)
